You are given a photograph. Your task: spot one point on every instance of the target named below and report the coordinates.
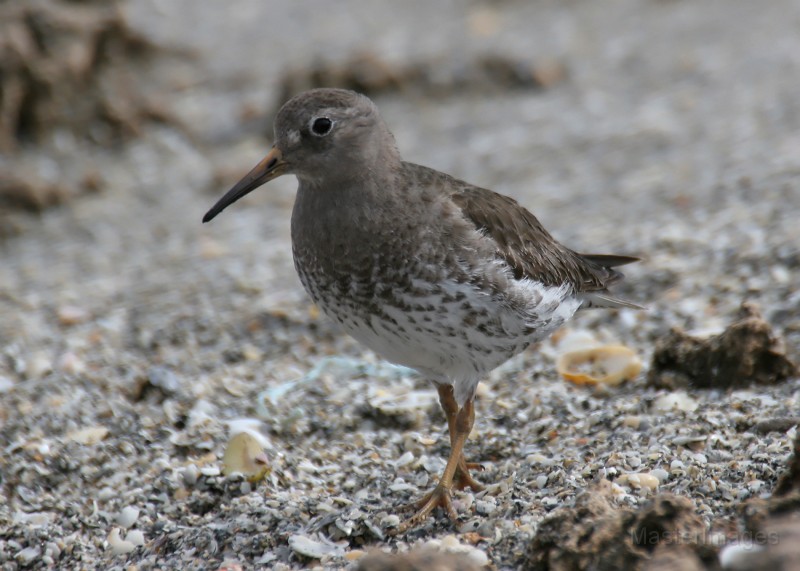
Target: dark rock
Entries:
(593, 534)
(746, 353)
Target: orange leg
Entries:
(456, 472)
(462, 478)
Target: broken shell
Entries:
(309, 547)
(88, 436)
(639, 480)
(118, 545)
(607, 364)
(245, 454)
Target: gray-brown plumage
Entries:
(428, 271)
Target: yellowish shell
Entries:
(244, 454)
(606, 364)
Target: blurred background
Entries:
(667, 129)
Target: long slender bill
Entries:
(271, 166)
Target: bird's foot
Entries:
(463, 479)
(441, 497)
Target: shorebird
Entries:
(428, 271)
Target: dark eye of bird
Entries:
(321, 126)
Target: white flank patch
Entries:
(433, 338)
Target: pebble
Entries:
(309, 547)
(6, 384)
(675, 401)
(88, 436)
(33, 519)
(210, 471)
(547, 441)
(733, 553)
(28, 555)
(135, 536)
(354, 554)
(190, 473)
(128, 516)
(38, 365)
(486, 506)
(632, 421)
(390, 520)
(404, 460)
(640, 480)
(661, 474)
(70, 364)
(69, 315)
(451, 544)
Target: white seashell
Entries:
(304, 545)
(118, 545)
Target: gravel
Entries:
(134, 341)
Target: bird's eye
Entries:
(321, 126)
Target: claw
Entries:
(456, 474)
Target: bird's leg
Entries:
(462, 478)
(456, 472)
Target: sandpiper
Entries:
(426, 270)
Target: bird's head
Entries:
(320, 135)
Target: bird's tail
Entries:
(602, 298)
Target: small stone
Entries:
(38, 366)
(52, 550)
(28, 555)
(71, 364)
(486, 506)
(676, 465)
(128, 516)
(631, 421)
(34, 519)
(69, 315)
(88, 436)
(135, 536)
(404, 460)
(734, 553)
(478, 556)
(210, 471)
(354, 554)
(642, 480)
(661, 474)
(675, 401)
(309, 547)
(6, 384)
(190, 474)
(450, 542)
